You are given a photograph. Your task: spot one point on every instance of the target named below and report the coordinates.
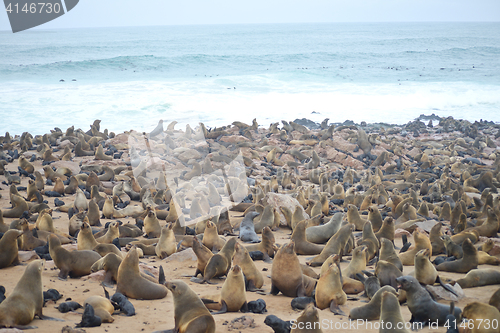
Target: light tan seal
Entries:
(109, 263)
(302, 245)
(253, 277)
(465, 264)
(371, 311)
(74, 263)
(483, 318)
(391, 315)
(329, 292)
(335, 245)
(166, 245)
(421, 242)
(102, 308)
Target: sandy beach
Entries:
(450, 147)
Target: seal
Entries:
(387, 273)
(308, 321)
(203, 254)
(329, 292)
(465, 264)
(358, 262)
(211, 238)
(421, 242)
(103, 308)
(152, 226)
(190, 314)
(9, 248)
(131, 283)
(286, 274)
(220, 263)
(422, 307)
(371, 283)
(437, 243)
(28, 240)
(387, 230)
(354, 218)
(322, 233)
(26, 300)
(266, 245)
(247, 228)
(369, 240)
(109, 263)
(302, 246)
(232, 295)
(166, 244)
(85, 239)
(372, 310)
(452, 249)
(19, 207)
(278, 325)
(479, 315)
(391, 313)
(480, 277)
(350, 286)
(253, 277)
(495, 299)
(74, 263)
(388, 253)
(335, 245)
(112, 233)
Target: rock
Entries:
(187, 254)
(282, 200)
(97, 276)
(68, 329)
(440, 293)
(426, 225)
(241, 323)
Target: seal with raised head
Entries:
(371, 311)
(329, 292)
(74, 263)
(247, 229)
(253, 277)
(302, 245)
(109, 263)
(421, 305)
(9, 248)
(322, 233)
(220, 263)
(286, 274)
(465, 264)
(232, 296)
(335, 245)
(190, 314)
(483, 317)
(26, 300)
(131, 283)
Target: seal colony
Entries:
(337, 206)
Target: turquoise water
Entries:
(132, 77)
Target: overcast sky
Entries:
(104, 13)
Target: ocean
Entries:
(130, 77)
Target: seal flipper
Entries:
(335, 308)
(244, 307)
(42, 317)
(63, 274)
(438, 280)
(301, 291)
(223, 308)
(161, 276)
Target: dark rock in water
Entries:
(308, 123)
(123, 304)
(68, 306)
(258, 306)
(89, 319)
(278, 325)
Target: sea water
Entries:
(130, 77)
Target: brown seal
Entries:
(495, 299)
(85, 239)
(350, 286)
(9, 248)
(266, 245)
(286, 274)
(388, 253)
(465, 264)
(322, 233)
(387, 230)
(421, 242)
(253, 277)
(152, 226)
(26, 300)
(308, 321)
(211, 238)
(203, 254)
(19, 207)
(132, 284)
(220, 263)
(483, 318)
(353, 217)
(387, 273)
(109, 263)
(232, 295)
(74, 263)
(391, 314)
(102, 308)
(112, 233)
(480, 277)
(371, 311)
(358, 262)
(190, 314)
(437, 243)
(334, 246)
(28, 241)
(302, 246)
(329, 292)
(371, 242)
